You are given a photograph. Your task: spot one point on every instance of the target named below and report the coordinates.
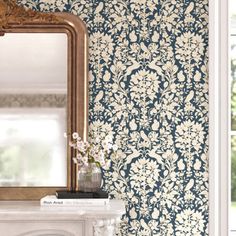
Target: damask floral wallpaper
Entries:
(149, 88)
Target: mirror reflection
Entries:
(33, 101)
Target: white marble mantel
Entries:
(28, 218)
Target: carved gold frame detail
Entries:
(16, 19)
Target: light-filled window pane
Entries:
(233, 82)
(32, 147)
(232, 208)
(233, 182)
(232, 212)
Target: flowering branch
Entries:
(90, 153)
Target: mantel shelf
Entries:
(29, 216)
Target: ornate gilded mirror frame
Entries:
(16, 19)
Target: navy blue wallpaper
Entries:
(148, 88)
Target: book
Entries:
(78, 194)
(52, 200)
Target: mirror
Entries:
(43, 93)
(33, 116)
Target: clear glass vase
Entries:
(89, 178)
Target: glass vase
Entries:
(89, 178)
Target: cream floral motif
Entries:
(144, 84)
(143, 174)
(149, 89)
(189, 137)
(189, 222)
(100, 48)
(189, 46)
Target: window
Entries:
(32, 147)
(220, 131)
(232, 132)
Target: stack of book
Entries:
(75, 199)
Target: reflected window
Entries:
(32, 148)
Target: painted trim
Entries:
(224, 117)
(213, 120)
(218, 117)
